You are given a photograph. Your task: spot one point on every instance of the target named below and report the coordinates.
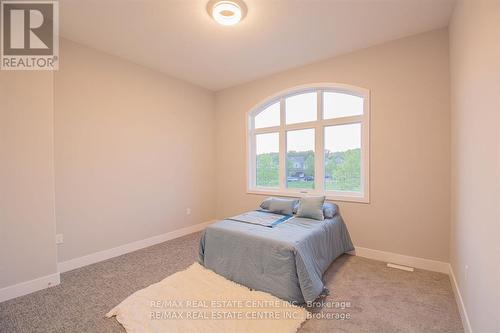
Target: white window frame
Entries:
(319, 126)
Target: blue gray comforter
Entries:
(287, 261)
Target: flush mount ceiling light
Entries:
(227, 12)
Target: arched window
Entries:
(311, 140)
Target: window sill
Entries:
(329, 196)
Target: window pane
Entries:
(267, 163)
(336, 105)
(300, 159)
(301, 108)
(343, 158)
(268, 117)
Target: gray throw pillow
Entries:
(329, 210)
(282, 206)
(266, 203)
(312, 208)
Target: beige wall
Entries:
(27, 218)
(410, 142)
(475, 96)
(133, 150)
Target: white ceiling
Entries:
(178, 37)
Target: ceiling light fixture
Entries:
(227, 12)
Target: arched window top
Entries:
(340, 100)
(288, 129)
(268, 116)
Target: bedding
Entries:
(266, 203)
(287, 261)
(311, 207)
(261, 217)
(329, 210)
(282, 206)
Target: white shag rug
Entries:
(199, 300)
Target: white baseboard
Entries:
(460, 302)
(395, 258)
(130, 247)
(29, 287)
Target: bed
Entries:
(287, 260)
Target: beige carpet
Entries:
(380, 299)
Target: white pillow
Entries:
(311, 208)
